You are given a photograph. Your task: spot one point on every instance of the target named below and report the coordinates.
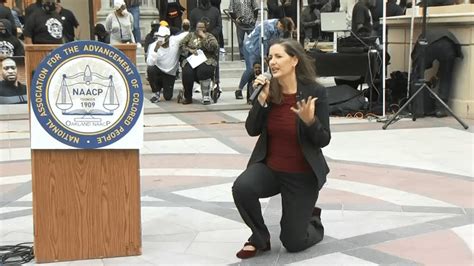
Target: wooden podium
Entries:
(86, 203)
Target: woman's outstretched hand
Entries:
(305, 110)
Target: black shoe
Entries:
(441, 113)
(187, 101)
(315, 220)
(238, 95)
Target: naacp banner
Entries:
(86, 95)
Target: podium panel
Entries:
(86, 203)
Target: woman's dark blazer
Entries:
(311, 138)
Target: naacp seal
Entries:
(86, 94)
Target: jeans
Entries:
(240, 38)
(249, 61)
(135, 11)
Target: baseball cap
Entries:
(163, 31)
(118, 4)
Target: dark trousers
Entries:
(299, 192)
(444, 51)
(190, 75)
(159, 80)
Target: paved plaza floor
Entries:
(401, 196)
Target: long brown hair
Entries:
(305, 68)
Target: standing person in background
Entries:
(393, 9)
(214, 25)
(133, 6)
(9, 44)
(245, 13)
(119, 24)
(32, 8)
(347, 6)
(220, 39)
(404, 5)
(11, 90)
(272, 30)
(172, 12)
(311, 21)
(18, 17)
(6, 12)
(44, 26)
(205, 9)
(150, 37)
(291, 119)
(362, 18)
(71, 30)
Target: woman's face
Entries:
(121, 10)
(200, 27)
(281, 64)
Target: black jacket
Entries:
(214, 16)
(311, 138)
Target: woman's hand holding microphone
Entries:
(264, 82)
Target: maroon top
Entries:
(284, 153)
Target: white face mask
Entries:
(124, 12)
(161, 39)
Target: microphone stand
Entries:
(420, 83)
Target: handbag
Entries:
(121, 35)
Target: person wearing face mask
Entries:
(150, 37)
(272, 29)
(6, 13)
(44, 26)
(162, 60)
(119, 24)
(11, 90)
(200, 39)
(9, 44)
(133, 7)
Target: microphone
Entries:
(258, 89)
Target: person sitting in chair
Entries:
(443, 47)
(202, 40)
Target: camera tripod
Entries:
(420, 83)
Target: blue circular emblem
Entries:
(86, 94)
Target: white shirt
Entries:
(166, 59)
